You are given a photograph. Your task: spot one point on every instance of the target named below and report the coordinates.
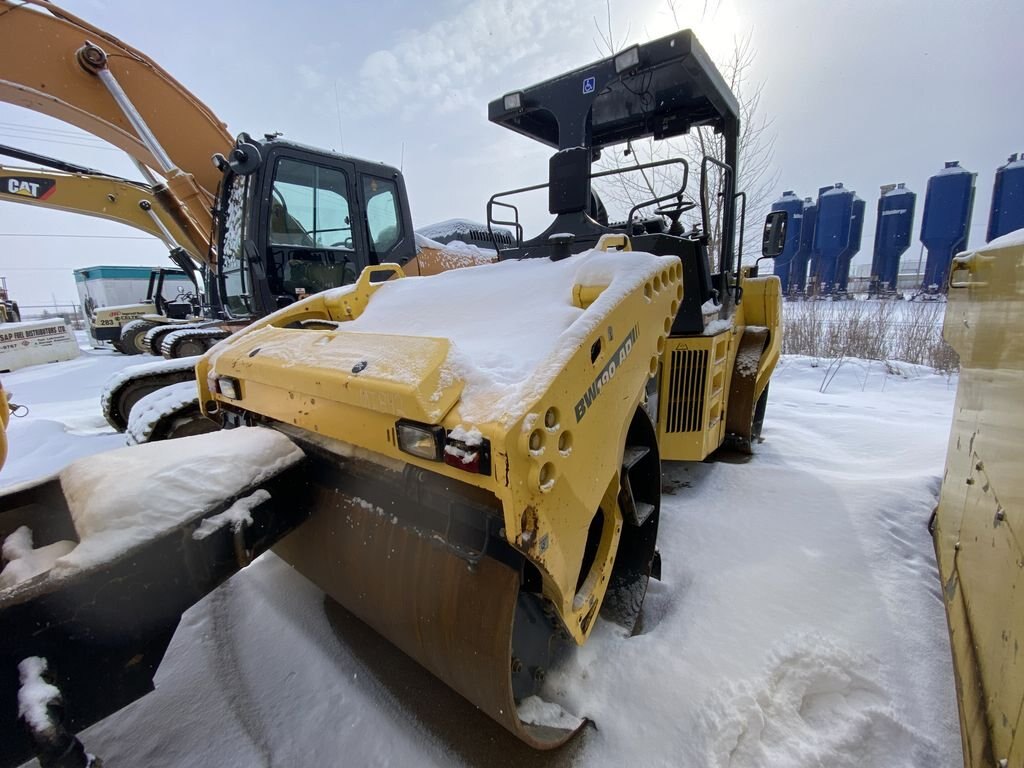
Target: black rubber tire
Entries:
(132, 340)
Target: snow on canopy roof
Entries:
(512, 325)
(450, 228)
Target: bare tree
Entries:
(756, 144)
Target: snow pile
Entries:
(238, 515)
(123, 498)
(64, 422)
(512, 325)
(715, 327)
(157, 366)
(535, 711)
(470, 439)
(36, 695)
(785, 579)
(814, 705)
(456, 254)
(24, 562)
(148, 410)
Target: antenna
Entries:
(401, 163)
(337, 104)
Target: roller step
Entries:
(633, 454)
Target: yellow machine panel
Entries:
(979, 525)
(100, 196)
(710, 385)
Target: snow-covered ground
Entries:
(799, 622)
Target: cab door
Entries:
(386, 220)
(309, 228)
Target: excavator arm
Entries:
(104, 197)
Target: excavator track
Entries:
(421, 562)
(155, 336)
(188, 342)
(168, 413)
(128, 387)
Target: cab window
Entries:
(383, 219)
(233, 264)
(309, 206)
(311, 244)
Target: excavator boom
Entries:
(57, 64)
(105, 197)
(39, 44)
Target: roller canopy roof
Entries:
(665, 87)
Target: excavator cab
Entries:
(293, 221)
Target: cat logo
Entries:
(28, 186)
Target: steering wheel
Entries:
(675, 209)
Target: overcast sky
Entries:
(866, 93)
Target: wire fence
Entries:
(69, 313)
(872, 330)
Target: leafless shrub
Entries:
(869, 330)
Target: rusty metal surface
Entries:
(454, 618)
(980, 517)
(742, 389)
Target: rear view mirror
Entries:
(774, 234)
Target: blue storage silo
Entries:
(831, 237)
(893, 228)
(798, 269)
(794, 208)
(852, 245)
(946, 223)
(1007, 212)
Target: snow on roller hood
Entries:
(512, 325)
(125, 497)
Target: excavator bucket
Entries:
(102, 561)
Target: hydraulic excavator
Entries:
(57, 64)
(474, 475)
